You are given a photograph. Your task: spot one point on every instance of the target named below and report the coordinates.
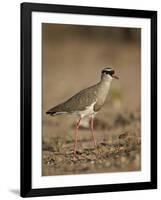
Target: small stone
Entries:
(59, 159)
(107, 164)
(123, 159)
(50, 162)
(123, 136)
(69, 152)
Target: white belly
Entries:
(89, 111)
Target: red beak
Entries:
(116, 77)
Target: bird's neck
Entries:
(104, 86)
(105, 83)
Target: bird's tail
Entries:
(51, 112)
(55, 111)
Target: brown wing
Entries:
(77, 102)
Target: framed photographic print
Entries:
(88, 99)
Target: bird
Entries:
(86, 103)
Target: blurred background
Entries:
(73, 57)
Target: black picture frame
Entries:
(26, 103)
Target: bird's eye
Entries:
(111, 72)
(105, 72)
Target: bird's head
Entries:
(108, 74)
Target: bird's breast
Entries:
(88, 111)
(101, 96)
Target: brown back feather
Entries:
(78, 102)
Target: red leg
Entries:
(91, 127)
(76, 135)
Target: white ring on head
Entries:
(108, 69)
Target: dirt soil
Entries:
(118, 149)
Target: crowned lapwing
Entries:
(86, 103)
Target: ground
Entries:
(118, 148)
